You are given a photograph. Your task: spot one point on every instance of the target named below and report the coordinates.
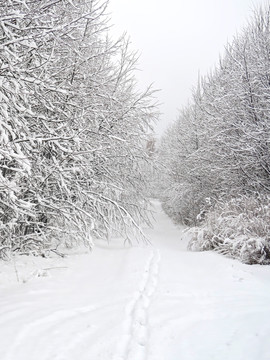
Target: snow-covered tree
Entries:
(218, 149)
(73, 126)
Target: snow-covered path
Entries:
(156, 302)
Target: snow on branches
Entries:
(218, 149)
(73, 127)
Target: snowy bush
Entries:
(238, 228)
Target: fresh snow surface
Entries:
(156, 302)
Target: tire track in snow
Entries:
(133, 345)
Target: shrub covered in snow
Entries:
(239, 228)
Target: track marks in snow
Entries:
(133, 345)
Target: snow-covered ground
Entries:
(156, 302)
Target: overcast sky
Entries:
(177, 40)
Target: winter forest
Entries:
(216, 156)
(74, 128)
(77, 149)
(116, 243)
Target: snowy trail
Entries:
(158, 302)
(135, 327)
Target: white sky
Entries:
(177, 39)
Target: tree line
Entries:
(216, 155)
(73, 127)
